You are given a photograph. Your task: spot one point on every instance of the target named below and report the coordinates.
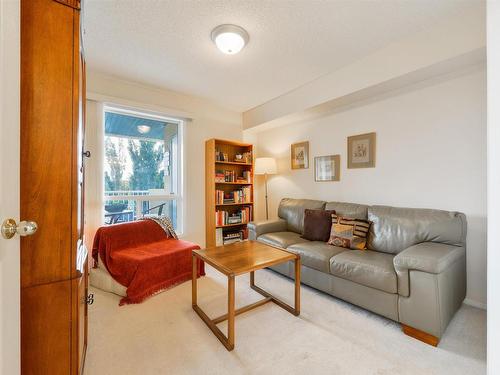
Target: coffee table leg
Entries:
(295, 310)
(230, 312)
(297, 285)
(228, 340)
(194, 285)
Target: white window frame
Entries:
(179, 196)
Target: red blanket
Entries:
(140, 256)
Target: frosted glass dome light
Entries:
(143, 129)
(230, 39)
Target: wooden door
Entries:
(53, 261)
(46, 139)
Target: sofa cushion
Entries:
(280, 239)
(315, 254)
(366, 267)
(292, 210)
(317, 224)
(354, 210)
(395, 229)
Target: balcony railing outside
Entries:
(129, 205)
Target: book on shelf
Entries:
(245, 178)
(246, 214)
(221, 156)
(219, 176)
(225, 176)
(244, 233)
(230, 176)
(219, 237)
(234, 219)
(243, 195)
(243, 216)
(234, 236)
(248, 157)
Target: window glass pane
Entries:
(140, 160)
(165, 208)
(119, 211)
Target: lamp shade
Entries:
(265, 166)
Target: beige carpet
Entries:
(165, 336)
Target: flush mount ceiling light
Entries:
(143, 129)
(230, 39)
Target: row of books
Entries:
(231, 237)
(231, 176)
(242, 216)
(246, 214)
(242, 195)
(228, 237)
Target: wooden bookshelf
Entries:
(230, 149)
(230, 225)
(234, 204)
(232, 163)
(234, 183)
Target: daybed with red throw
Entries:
(141, 256)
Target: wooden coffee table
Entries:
(237, 259)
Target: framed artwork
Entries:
(300, 155)
(327, 168)
(361, 151)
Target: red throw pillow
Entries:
(317, 224)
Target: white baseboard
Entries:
(473, 303)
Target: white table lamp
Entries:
(265, 166)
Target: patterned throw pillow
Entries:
(349, 233)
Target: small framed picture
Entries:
(300, 155)
(361, 151)
(327, 168)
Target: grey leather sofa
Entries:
(413, 271)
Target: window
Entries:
(142, 164)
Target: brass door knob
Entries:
(24, 228)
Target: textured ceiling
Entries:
(166, 43)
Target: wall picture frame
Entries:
(361, 151)
(327, 168)
(299, 155)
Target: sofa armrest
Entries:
(430, 257)
(257, 228)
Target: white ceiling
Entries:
(166, 43)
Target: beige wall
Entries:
(493, 187)
(431, 152)
(207, 121)
(9, 185)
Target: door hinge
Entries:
(90, 299)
